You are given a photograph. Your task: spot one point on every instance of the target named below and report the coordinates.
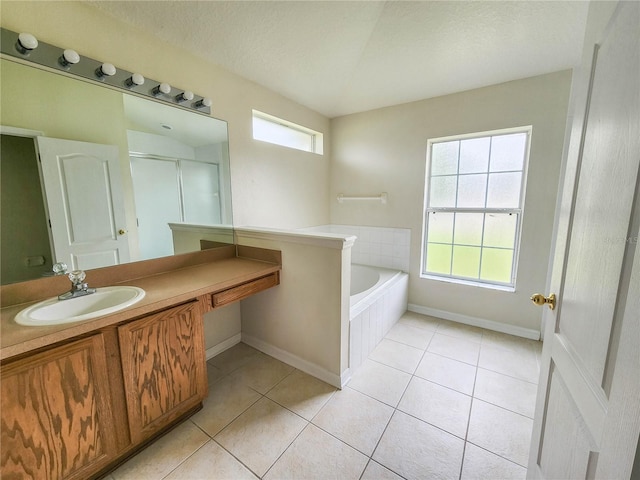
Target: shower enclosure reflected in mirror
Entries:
(114, 171)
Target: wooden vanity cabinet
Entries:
(56, 416)
(164, 367)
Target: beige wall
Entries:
(272, 185)
(385, 150)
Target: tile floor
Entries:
(435, 399)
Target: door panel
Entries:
(86, 206)
(586, 355)
(56, 413)
(157, 194)
(163, 362)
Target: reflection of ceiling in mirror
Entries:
(192, 129)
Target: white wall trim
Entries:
(326, 240)
(301, 364)
(476, 322)
(222, 346)
(191, 227)
(19, 132)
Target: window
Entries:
(473, 207)
(268, 128)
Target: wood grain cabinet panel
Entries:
(245, 290)
(56, 416)
(163, 363)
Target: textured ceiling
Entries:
(341, 57)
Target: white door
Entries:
(201, 192)
(587, 418)
(157, 194)
(83, 187)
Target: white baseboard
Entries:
(301, 364)
(222, 346)
(476, 322)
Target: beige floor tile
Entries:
(227, 399)
(212, 462)
(354, 418)
(459, 349)
(500, 431)
(380, 382)
(302, 394)
(214, 374)
(375, 471)
(482, 465)
(440, 406)
(420, 321)
(233, 358)
(317, 455)
(261, 434)
(460, 330)
(165, 454)
(410, 335)
(262, 373)
(416, 450)
(447, 372)
(397, 355)
(522, 365)
(510, 342)
(507, 392)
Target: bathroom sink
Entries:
(104, 301)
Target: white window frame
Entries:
(316, 139)
(511, 286)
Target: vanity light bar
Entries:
(41, 53)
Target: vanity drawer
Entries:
(245, 290)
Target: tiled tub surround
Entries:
(376, 246)
(434, 400)
(374, 312)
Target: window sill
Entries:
(469, 283)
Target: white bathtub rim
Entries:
(375, 292)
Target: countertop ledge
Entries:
(163, 290)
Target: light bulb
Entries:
(185, 96)
(135, 79)
(106, 70)
(26, 42)
(205, 102)
(164, 88)
(69, 57)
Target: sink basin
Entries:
(104, 301)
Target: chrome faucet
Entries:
(79, 287)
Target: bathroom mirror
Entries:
(115, 171)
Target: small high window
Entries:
(474, 196)
(268, 128)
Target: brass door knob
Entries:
(541, 300)
(122, 231)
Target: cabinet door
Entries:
(163, 363)
(56, 417)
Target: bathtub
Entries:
(378, 298)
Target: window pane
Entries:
(496, 265)
(500, 230)
(504, 190)
(466, 261)
(507, 152)
(443, 192)
(281, 135)
(468, 229)
(438, 258)
(440, 227)
(474, 155)
(471, 190)
(444, 158)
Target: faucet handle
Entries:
(60, 268)
(77, 276)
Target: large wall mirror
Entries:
(118, 174)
